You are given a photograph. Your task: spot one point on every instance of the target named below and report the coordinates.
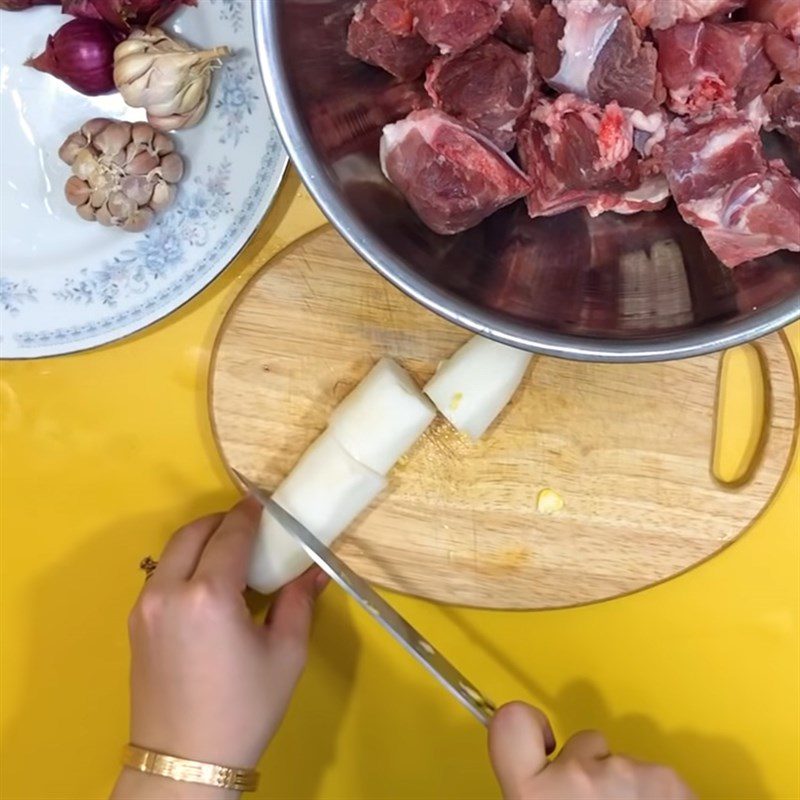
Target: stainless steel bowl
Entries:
(640, 288)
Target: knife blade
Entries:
(402, 630)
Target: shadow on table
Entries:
(580, 705)
(307, 744)
(76, 659)
(411, 741)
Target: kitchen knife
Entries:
(368, 598)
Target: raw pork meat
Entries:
(405, 57)
(785, 55)
(661, 14)
(593, 49)
(744, 206)
(519, 22)
(783, 14)
(397, 16)
(491, 87)
(783, 106)
(579, 155)
(782, 100)
(456, 25)
(706, 64)
(451, 176)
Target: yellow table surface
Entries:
(105, 453)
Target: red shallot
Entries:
(125, 14)
(81, 53)
(21, 5)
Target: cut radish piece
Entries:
(476, 383)
(382, 417)
(326, 491)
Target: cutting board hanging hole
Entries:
(742, 415)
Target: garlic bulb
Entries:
(122, 173)
(165, 76)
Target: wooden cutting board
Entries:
(628, 448)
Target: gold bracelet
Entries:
(183, 769)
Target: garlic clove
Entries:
(73, 144)
(182, 99)
(113, 139)
(100, 179)
(76, 191)
(133, 149)
(138, 188)
(122, 206)
(139, 221)
(171, 167)
(163, 144)
(142, 163)
(142, 133)
(86, 212)
(120, 159)
(104, 216)
(163, 196)
(175, 122)
(84, 164)
(94, 126)
(98, 198)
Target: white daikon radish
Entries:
(382, 417)
(326, 491)
(475, 384)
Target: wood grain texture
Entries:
(628, 447)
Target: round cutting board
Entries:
(628, 448)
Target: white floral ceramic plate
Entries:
(68, 285)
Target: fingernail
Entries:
(321, 581)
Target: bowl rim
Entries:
(713, 337)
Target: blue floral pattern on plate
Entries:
(233, 176)
(13, 294)
(233, 11)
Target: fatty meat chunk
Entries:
(706, 64)
(745, 206)
(450, 175)
(580, 155)
(661, 14)
(594, 50)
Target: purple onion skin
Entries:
(81, 53)
(125, 14)
(22, 5)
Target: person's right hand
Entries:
(520, 740)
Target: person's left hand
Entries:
(207, 682)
